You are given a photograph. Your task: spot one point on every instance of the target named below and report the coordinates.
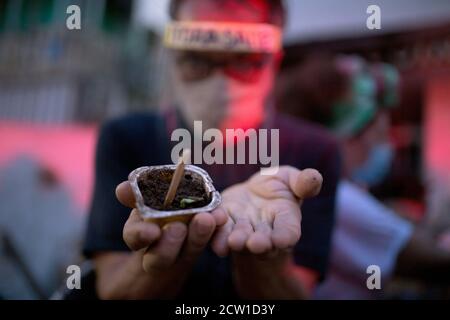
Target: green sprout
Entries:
(189, 200)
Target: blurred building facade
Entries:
(54, 75)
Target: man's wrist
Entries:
(258, 278)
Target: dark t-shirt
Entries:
(144, 139)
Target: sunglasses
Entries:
(244, 67)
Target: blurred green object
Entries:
(112, 16)
(22, 15)
(372, 87)
(357, 109)
(189, 200)
(387, 79)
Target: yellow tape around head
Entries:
(223, 36)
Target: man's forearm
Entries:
(256, 279)
(121, 276)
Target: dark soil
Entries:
(154, 185)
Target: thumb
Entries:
(125, 195)
(305, 183)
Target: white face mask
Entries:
(223, 102)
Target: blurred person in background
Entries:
(39, 230)
(241, 252)
(352, 99)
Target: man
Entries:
(366, 232)
(224, 57)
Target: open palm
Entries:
(264, 212)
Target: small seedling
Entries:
(166, 193)
(188, 201)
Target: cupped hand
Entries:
(173, 244)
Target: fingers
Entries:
(163, 247)
(260, 238)
(139, 234)
(166, 251)
(170, 246)
(306, 183)
(125, 195)
(272, 221)
(260, 241)
(242, 230)
(219, 242)
(201, 229)
(286, 228)
(220, 216)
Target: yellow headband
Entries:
(223, 36)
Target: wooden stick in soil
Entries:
(176, 178)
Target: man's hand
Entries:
(264, 223)
(265, 211)
(165, 254)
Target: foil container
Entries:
(152, 213)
